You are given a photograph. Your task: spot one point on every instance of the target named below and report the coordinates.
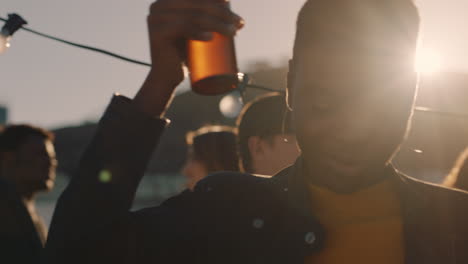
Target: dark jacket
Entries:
(19, 241)
(229, 218)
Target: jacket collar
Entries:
(299, 221)
(292, 185)
(434, 217)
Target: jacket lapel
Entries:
(302, 232)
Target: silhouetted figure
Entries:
(211, 149)
(458, 176)
(266, 141)
(351, 88)
(27, 167)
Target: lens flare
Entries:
(4, 43)
(428, 61)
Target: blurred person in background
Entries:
(266, 141)
(27, 167)
(351, 89)
(211, 148)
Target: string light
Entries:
(243, 78)
(16, 22)
(12, 24)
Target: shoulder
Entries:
(224, 195)
(428, 187)
(221, 188)
(232, 180)
(433, 194)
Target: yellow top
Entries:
(361, 227)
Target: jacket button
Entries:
(310, 238)
(258, 223)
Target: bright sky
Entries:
(50, 84)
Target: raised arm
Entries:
(91, 220)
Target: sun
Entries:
(427, 61)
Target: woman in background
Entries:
(211, 148)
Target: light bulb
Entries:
(4, 42)
(231, 105)
(13, 23)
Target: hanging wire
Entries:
(83, 46)
(259, 87)
(243, 77)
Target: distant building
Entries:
(3, 115)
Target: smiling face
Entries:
(351, 88)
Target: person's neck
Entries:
(344, 184)
(26, 194)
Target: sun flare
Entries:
(428, 61)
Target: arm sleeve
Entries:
(90, 223)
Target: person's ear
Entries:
(290, 85)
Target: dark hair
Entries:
(13, 136)
(264, 117)
(397, 20)
(215, 147)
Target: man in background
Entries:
(211, 148)
(27, 167)
(265, 138)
